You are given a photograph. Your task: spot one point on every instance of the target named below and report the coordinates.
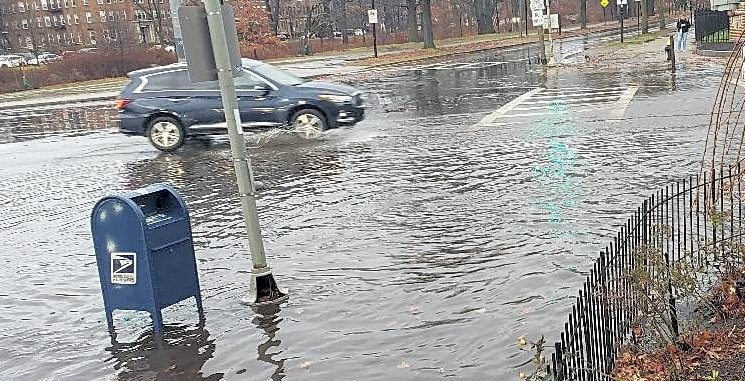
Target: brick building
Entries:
(58, 25)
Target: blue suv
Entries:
(162, 104)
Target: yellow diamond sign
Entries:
(604, 3)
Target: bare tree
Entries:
(429, 38)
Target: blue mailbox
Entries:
(144, 252)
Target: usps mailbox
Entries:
(144, 252)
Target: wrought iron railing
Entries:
(711, 26)
(693, 221)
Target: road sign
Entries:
(604, 3)
(623, 2)
(537, 5)
(537, 17)
(372, 16)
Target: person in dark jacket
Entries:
(683, 26)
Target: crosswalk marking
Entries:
(610, 101)
(489, 119)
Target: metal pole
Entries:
(178, 43)
(262, 288)
(525, 18)
(375, 34)
(621, 23)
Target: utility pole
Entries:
(178, 43)
(621, 12)
(551, 58)
(541, 45)
(263, 289)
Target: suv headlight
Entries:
(336, 98)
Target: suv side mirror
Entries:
(263, 88)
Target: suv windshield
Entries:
(277, 75)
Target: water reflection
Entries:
(179, 356)
(267, 319)
(25, 124)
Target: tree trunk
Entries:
(478, 11)
(645, 17)
(344, 35)
(429, 38)
(583, 13)
(661, 13)
(411, 20)
(488, 9)
(275, 17)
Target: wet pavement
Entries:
(417, 245)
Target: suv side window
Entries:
(248, 81)
(176, 80)
(179, 80)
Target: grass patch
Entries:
(635, 40)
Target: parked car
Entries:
(44, 59)
(164, 105)
(27, 56)
(283, 37)
(11, 60)
(337, 34)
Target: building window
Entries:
(66, 3)
(111, 16)
(47, 21)
(86, 2)
(102, 16)
(76, 18)
(124, 15)
(38, 22)
(72, 4)
(100, 2)
(92, 37)
(44, 5)
(24, 24)
(88, 17)
(21, 7)
(69, 19)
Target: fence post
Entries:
(672, 53)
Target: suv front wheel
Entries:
(308, 123)
(166, 133)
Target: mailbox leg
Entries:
(200, 310)
(110, 321)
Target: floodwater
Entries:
(416, 246)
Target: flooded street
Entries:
(418, 245)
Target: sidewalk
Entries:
(321, 65)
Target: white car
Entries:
(11, 60)
(44, 58)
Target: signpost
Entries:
(604, 3)
(211, 49)
(536, 8)
(622, 5)
(372, 18)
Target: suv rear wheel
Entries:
(308, 123)
(166, 133)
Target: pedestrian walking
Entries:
(683, 26)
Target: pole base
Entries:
(263, 289)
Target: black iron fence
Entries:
(711, 26)
(691, 223)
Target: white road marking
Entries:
(572, 101)
(569, 95)
(489, 119)
(623, 102)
